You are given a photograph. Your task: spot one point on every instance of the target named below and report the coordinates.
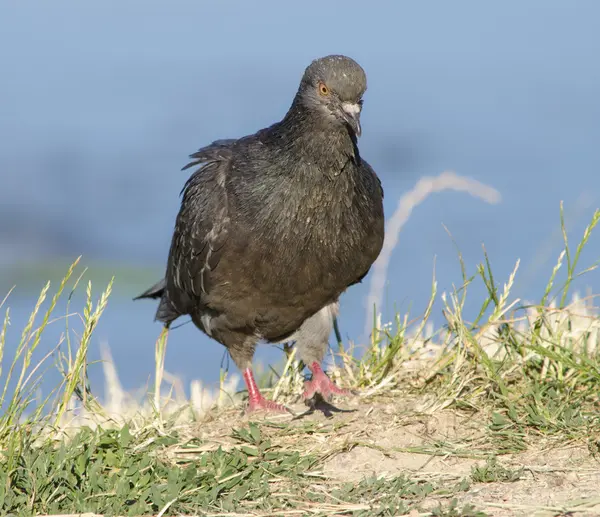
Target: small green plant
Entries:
(493, 472)
(454, 510)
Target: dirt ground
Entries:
(391, 436)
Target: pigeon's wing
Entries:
(377, 181)
(374, 184)
(201, 229)
(215, 151)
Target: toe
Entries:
(325, 387)
(266, 405)
(309, 389)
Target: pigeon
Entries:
(273, 227)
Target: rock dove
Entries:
(275, 226)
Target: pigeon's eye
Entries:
(323, 90)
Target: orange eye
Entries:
(323, 90)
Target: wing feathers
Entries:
(202, 227)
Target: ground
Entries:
(390, 436)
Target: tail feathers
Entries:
(156, 291)
(165, 312)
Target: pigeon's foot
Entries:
(322, 384)
(256, 401)
(263, 404)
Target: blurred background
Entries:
(100, 104)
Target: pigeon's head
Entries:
(333, 86)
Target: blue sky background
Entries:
(101, 103)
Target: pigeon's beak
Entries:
(351, 112)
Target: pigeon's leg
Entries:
(242, 354)
(311, 340)
(256, 400)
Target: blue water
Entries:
(100, 104)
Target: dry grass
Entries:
(426, 186)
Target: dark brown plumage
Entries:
(275, 226)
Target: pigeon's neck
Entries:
(307, 133)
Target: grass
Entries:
(120, 472)
(520, 378)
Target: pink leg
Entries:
(322, 384)
(256, 401)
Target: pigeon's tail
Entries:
(156, 291)
(165, 312)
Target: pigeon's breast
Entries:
(296, 242)
(321, 233)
